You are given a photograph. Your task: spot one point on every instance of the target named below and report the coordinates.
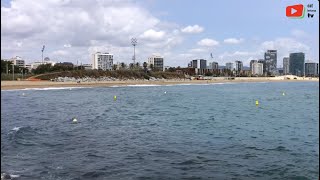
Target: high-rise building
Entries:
(17, 61)
(286, 65)
(213, 66)
(238, 66)
(270, 58)
(257, 68)
(200, 65)
(251, 62)
(103, 61)
(229, 65)
(296, 64)
(157, 62)
(264, 65)
(311, 69)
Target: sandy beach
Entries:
(8, 85)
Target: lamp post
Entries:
(42, 52)
(134, 42)
(13, 72)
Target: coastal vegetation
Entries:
(117, 74)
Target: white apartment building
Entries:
(157, 62)
(103, 61)
(34, 65)
(87, 66)
(17, 61)
(257, 68)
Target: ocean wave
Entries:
(46, 89)
(16, 129)
(143, 85)
(8, 176)
(22, 131)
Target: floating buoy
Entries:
(114, 98)
(165, 92)
(257, 102)
(74, 120)
(283, 94)
(23, 94)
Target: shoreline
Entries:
(12, 85)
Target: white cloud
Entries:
(233, 41)
(109, 25)
(19, 43)
(85, 26)
(60, 53)
(285, 45)
(299, 33)
(198, 50)
(208, 42)
(67, 45)
(153, 35)
(192, 29)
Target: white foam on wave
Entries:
(143, 85)
(16, 129)
(14, 175)
(181, 84)
(46, 89)
(55, 88)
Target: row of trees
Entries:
(119, 74)
(45, 68)
(136, 66)
(8, 67)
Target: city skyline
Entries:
(229, 32)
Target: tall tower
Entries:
(296, 63)
(42, 52)
(134, 42)
(270, 58)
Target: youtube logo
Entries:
(295, 11)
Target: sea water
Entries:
(212, 131)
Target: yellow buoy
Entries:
(115, 98)
(257, 102)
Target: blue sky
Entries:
(231, 30)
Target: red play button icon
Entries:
(295, 11)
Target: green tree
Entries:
(145, 65)
(5, 65)
(131, 65)
(208, 73)
(114, 67)
(123, 65)
(172, 69)
(43, 68)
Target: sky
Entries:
(178, 30)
